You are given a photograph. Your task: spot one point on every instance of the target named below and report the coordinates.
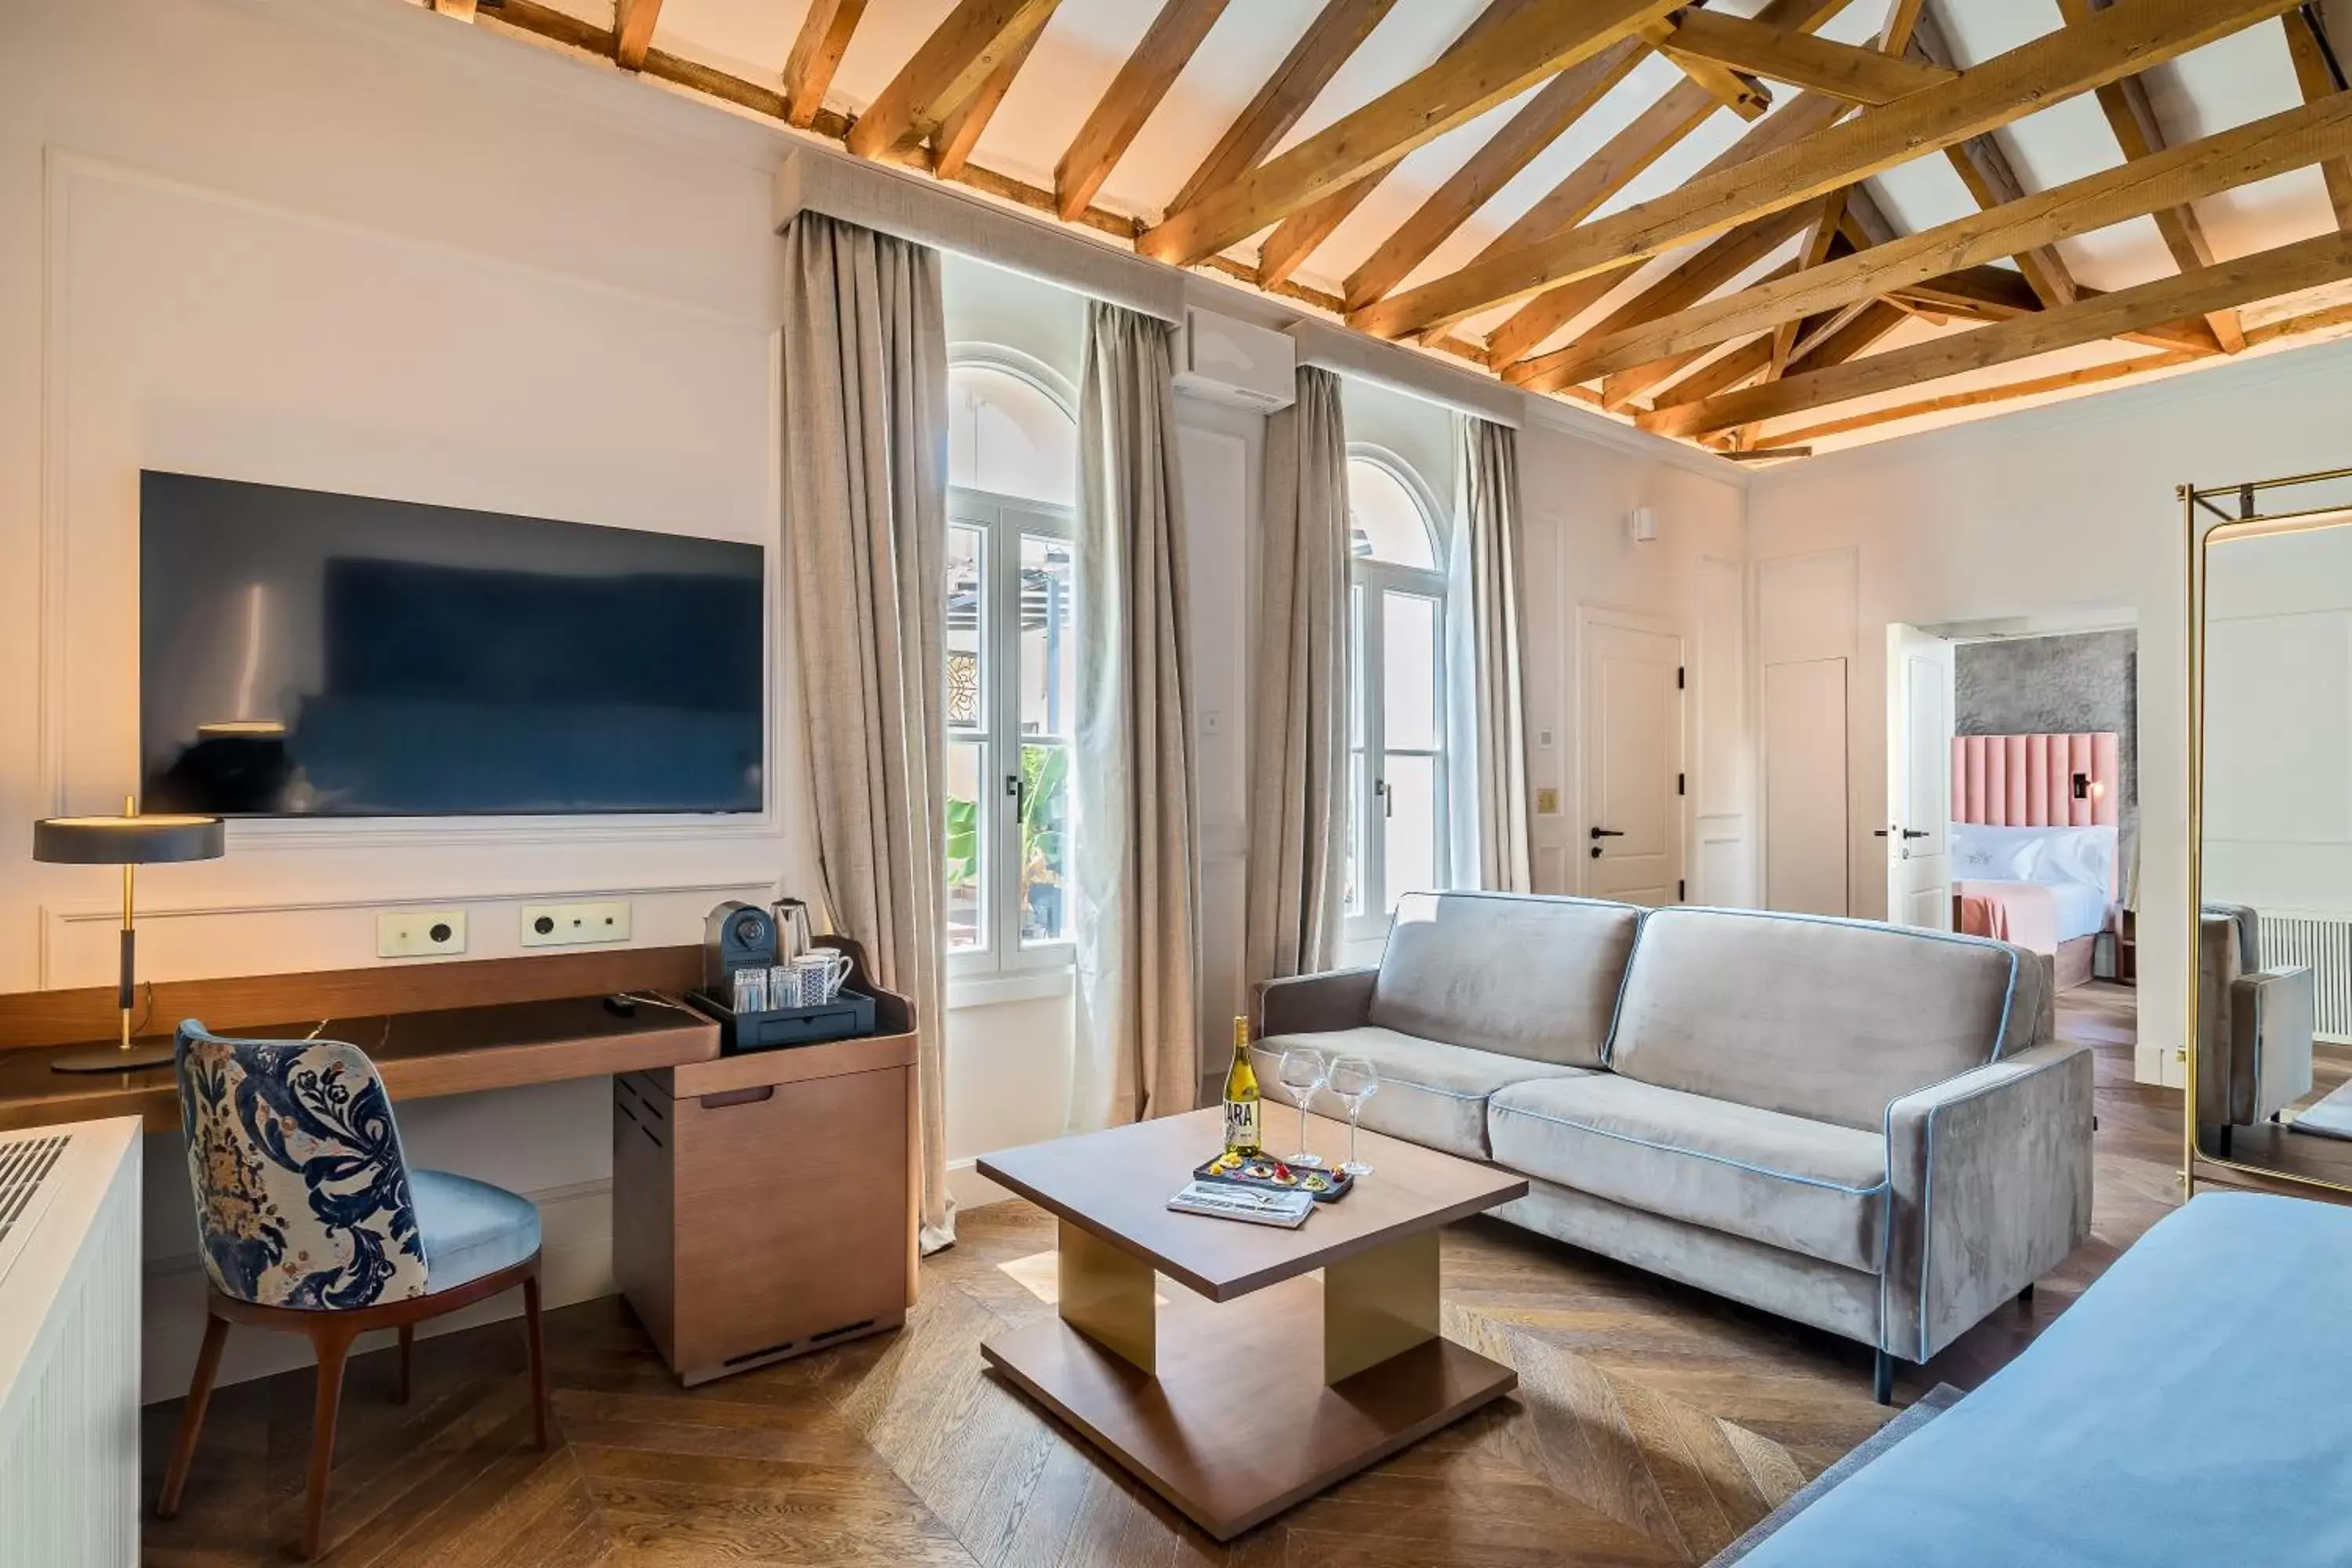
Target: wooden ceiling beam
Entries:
(953, 143)
(633, 31)
(2132, 119)
(1540, 318)
(2241, 281)
(2115, 43)
(1735, 90)
(1143, 80)
(2317, 78)
(1547, 36)
(817, 54)
(2249, 153)
(1846, 71)
(1558, 104)
(1822, 228)
(1976, 397)
(962, 52)
(1335, 34)
(1298, 237)
(461, 9)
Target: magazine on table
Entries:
(1220, 1201)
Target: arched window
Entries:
(1013, 476)
(1397, 838)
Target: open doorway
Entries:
(2013, 792)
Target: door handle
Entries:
(1607, 833)
(1904, 832)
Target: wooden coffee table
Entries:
(1260, 1385)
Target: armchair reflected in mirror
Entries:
(2270, 1076)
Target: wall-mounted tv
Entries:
(303, 654)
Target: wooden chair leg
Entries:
(535, 1335)
(192, 1416)
(333, 1343)
(407, 1356)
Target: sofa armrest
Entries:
(1989, 1178)
(1312, 1003)
(2272, 1016)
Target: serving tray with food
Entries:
(1267, 1173)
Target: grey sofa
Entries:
(2254, 1026)
(1857, 1126)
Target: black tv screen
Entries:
(304, 653)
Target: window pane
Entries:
(967, 627)
(1048, 660)
(1410, 846)
(1005, 434)
(967, 844)
(1409, 672)
(1384, 520)
(1044, 842)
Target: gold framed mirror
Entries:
(2269, 1055)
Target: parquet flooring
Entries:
(1652, 1424)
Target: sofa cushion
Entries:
(1431, 1093)
(1534, 977)
(1806, 1186)
(1821, 1018)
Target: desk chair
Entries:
(312, 1222)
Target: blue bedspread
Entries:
(2194, 1408)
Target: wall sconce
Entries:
(1642, 525)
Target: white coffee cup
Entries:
(821, 971)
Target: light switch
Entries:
(1547, 802)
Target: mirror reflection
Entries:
(2273, 1016)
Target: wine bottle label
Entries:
(1241, 1124)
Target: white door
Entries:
(1917, 834)
(1633, 734)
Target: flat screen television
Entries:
(303, 654)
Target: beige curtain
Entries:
(866, 408)
(1299, 705)
(1135, 847)
(1488, 729)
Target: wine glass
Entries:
(1302, 1072)
(1354, 1080)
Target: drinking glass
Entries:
(1303, 1072)
(1354, 1080)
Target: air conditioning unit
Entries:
(1233, 361)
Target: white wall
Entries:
(1576, 490)
(2062, 508)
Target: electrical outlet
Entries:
(420, 933)
(574, 925)
(1547, 803)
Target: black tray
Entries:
(846, 1017)
(1341, 1186)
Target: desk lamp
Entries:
(128, 841)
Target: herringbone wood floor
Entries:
(1652, 1424)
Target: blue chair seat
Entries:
(469, 1228)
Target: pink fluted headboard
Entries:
(2028, 781)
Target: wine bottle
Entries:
(1241, 1136)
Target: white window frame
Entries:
(1367, 580)
(1002, 521)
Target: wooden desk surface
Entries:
(451, 1050)
(1117, 1184)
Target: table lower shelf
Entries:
(1238, 1423)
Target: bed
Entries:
(2035, 854)
(2191, 1410)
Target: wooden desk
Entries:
(454, 1051)
(431, 1029)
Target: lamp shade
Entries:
(127, 840)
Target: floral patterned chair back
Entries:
(302, 1192)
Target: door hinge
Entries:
(1682, 890)
(1682, 677)
(1681, 786)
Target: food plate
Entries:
(1264, 1173)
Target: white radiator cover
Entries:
(2322, 944)
(69, 1290)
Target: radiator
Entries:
(69, 1288)
(2322, 944)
